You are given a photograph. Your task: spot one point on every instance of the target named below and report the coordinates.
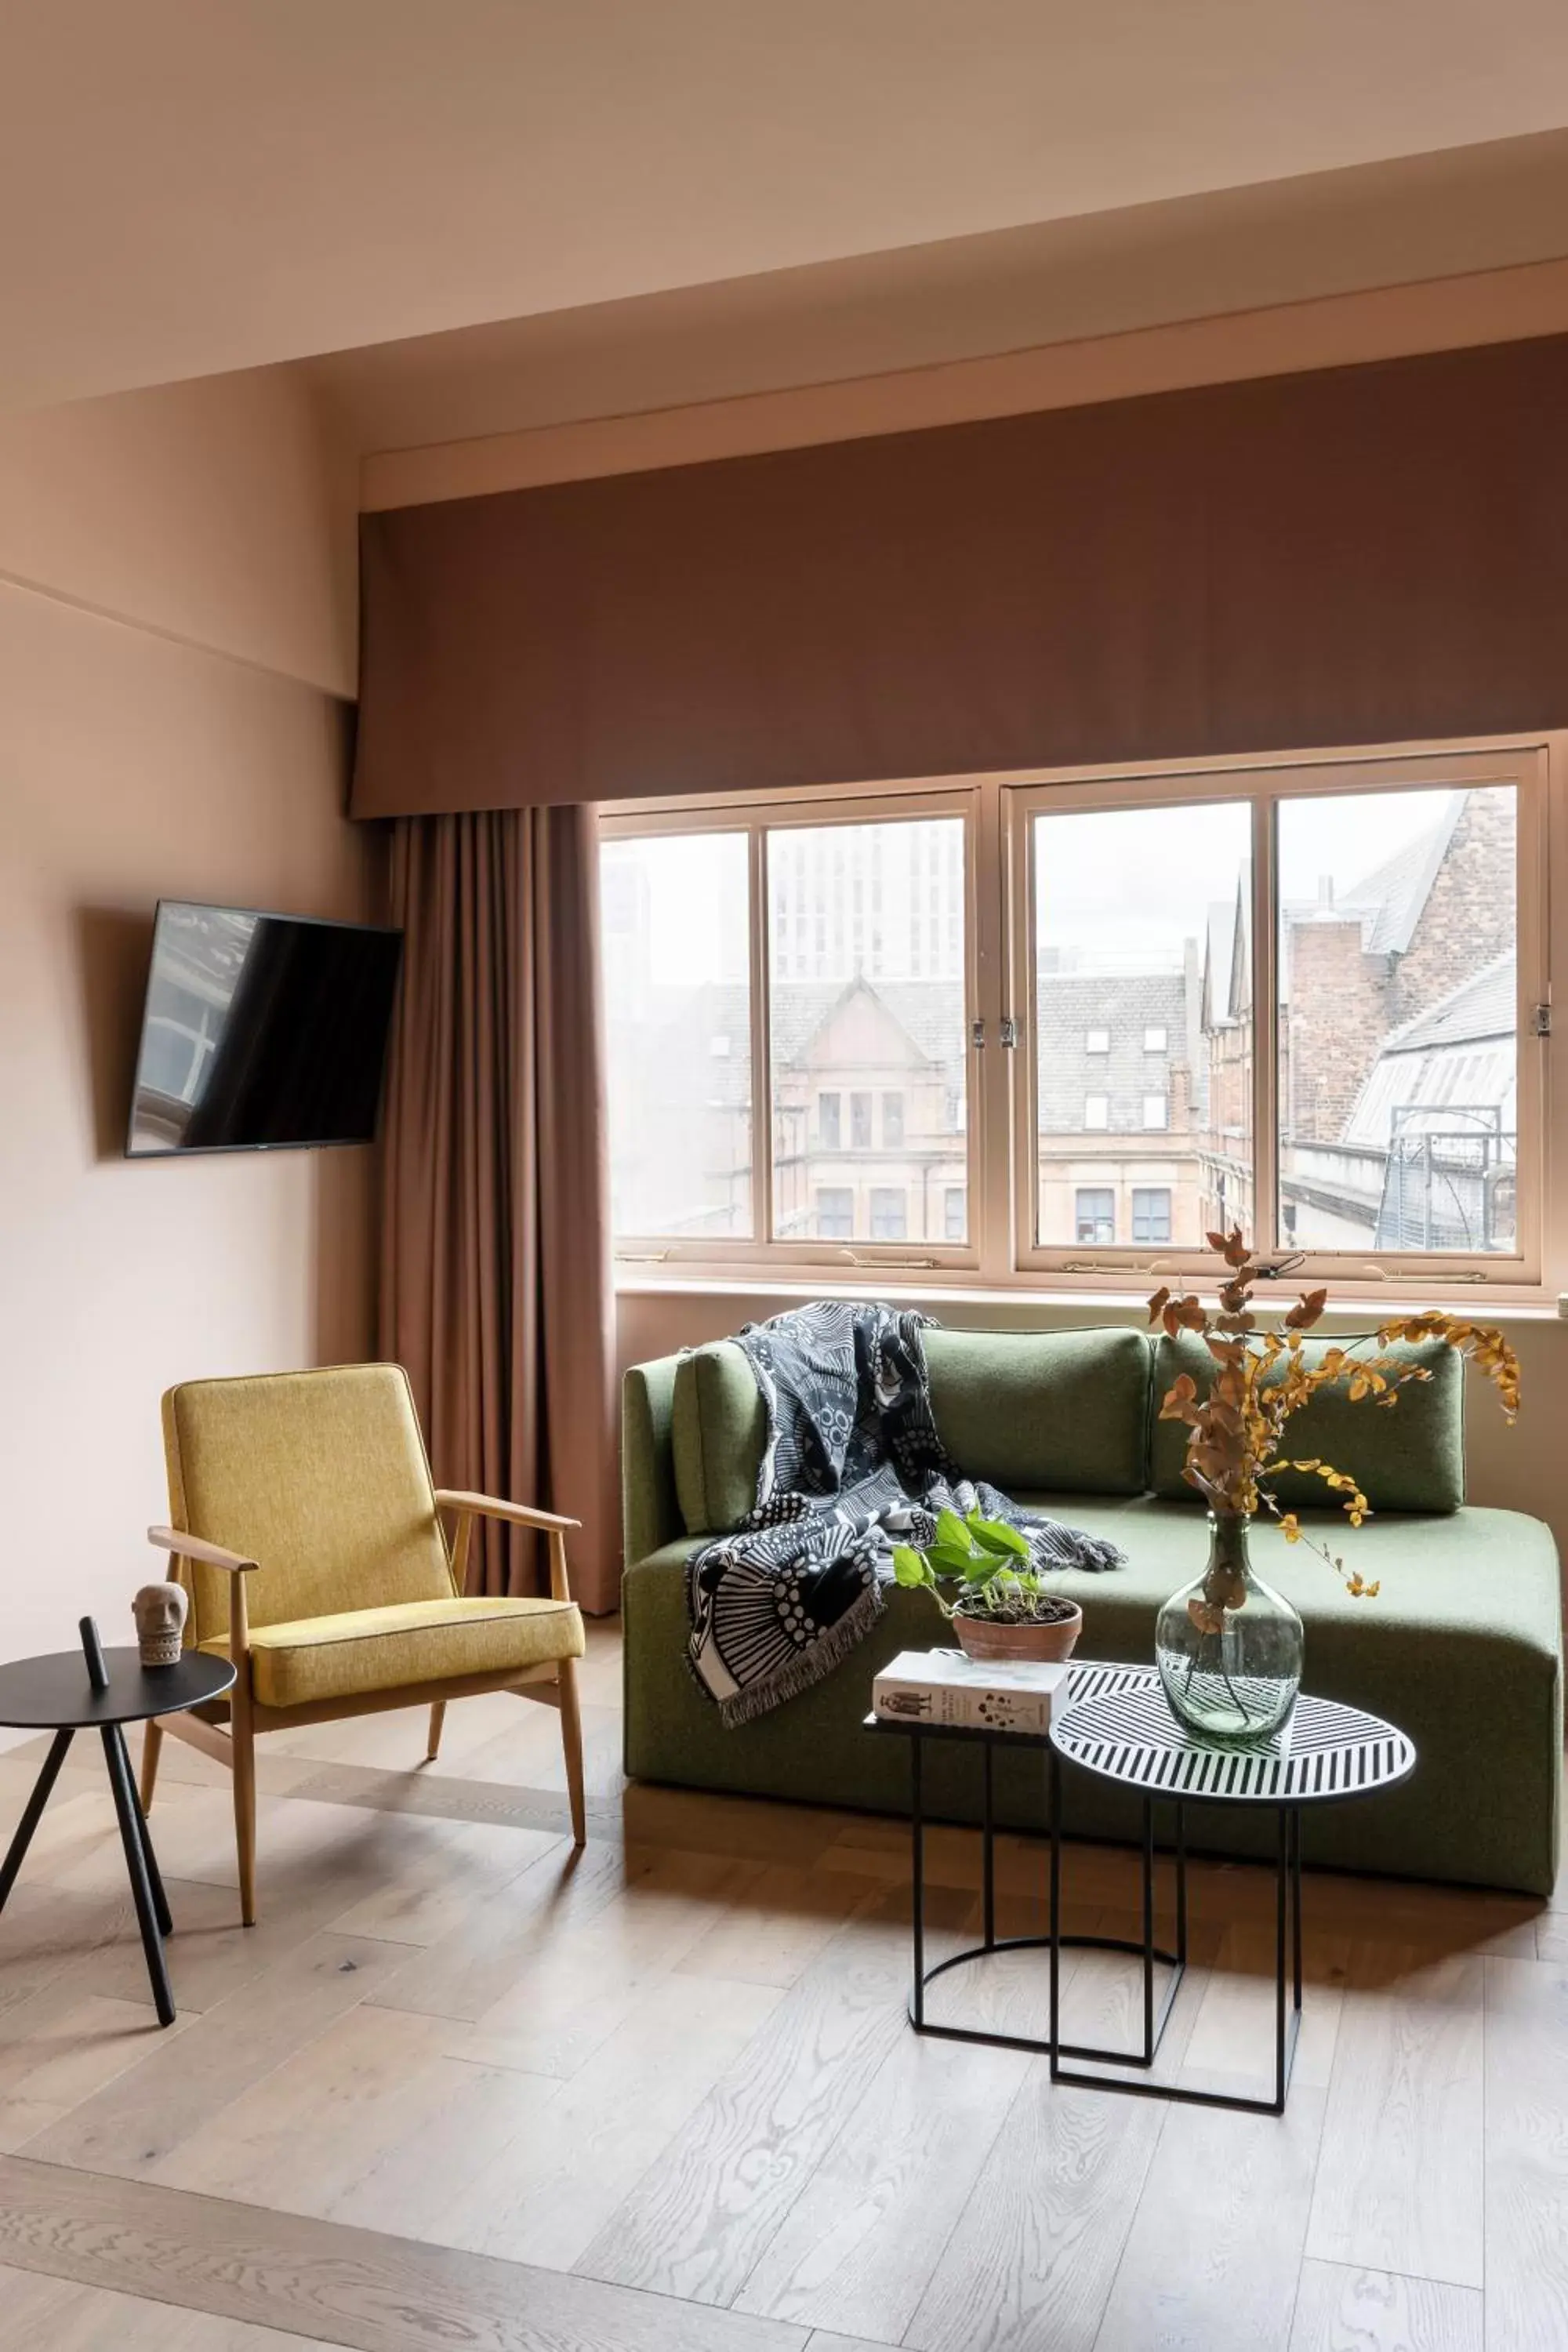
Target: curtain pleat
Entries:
(495, 1265)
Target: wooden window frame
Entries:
(958, 800)
(1263, 786)
(999, 1171)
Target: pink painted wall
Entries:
(136, 761)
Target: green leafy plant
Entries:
(987, 1563)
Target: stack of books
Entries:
(946, 1688)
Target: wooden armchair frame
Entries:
(226, 1728)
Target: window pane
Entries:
(953, 1214)
(1141, 938)
(865, 1008)
(1398, 1058)
(1095, 1213)
(889, 1213)
(1150, 1213)
(677, 1001)
(834, 1214)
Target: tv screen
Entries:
(260, 1032)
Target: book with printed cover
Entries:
(948, 1688)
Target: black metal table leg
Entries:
(917, 1893)
(1148, 1931)
(1180, 1882)
(1296, 1895)
(988, 1856)
(151, 1911)
(1143, 1948)
(33, 1812)
(155, 1877)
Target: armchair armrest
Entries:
(522, 1515)
(490, 1507)
(211, 1555)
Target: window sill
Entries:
(921, 1289)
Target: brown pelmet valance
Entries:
(1371, 554)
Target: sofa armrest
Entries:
(649, 1509)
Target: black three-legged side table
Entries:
(57, 1693)
(1116, 1724)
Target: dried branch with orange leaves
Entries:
(1235, 1443)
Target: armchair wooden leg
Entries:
(243, 1735)
(437, 1718)
(152, 1748)
(571, 1747)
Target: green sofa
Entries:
(1462, 1647)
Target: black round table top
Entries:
(54, 1694)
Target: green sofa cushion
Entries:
(1067, 1410)
(717, 1432)
(1408, 1458)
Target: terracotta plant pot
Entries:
(989, 1637)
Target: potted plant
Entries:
(1229, 1647)
(999, 1607)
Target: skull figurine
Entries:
(160, 1614)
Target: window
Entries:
(1151, 1213)
(681, 1114)
(1396, 1023)
(1094, 1213)
(1283, 996)
(889, 1213)
(1120, 903)
(835, 1213)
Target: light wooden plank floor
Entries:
(460, 2085)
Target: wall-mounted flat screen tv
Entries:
(260, 1032)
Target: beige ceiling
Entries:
(191, 186)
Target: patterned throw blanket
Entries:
(853, 1464)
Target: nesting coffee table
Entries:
(62, 1694)
(1116, 1725)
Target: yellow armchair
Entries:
(309, 1536)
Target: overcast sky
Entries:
(1118, 890)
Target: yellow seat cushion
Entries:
(361, 1651)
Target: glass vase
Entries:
(1229, 1647)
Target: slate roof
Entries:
(1482, 1007)
(1390, 899)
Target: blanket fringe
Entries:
(810, 1666)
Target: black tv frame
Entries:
(224, 1151)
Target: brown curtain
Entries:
(495, 1271)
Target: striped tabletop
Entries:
(1118, 1724)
